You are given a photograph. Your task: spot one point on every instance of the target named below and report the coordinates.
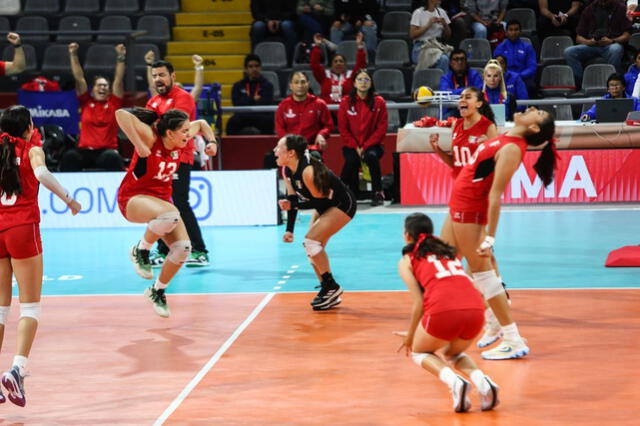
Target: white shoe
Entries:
(460, 395)
(507, 350)
(490, 336)
(489, 396)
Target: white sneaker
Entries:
(489, 395)
(460, 395)
(491, 335)
(507, 350)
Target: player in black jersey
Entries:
(311, 185)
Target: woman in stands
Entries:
(362, 120)
(446, 313)
(311, 185)
(22, 166)
(495, 90)
(145, 193)
(475, 208)
(616, 88)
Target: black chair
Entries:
(111, 23)
(100, 59)
(396, 25)
(56, 59)
(161, 6)
(74, 23)
(29, 55)
(87, 7)
(389, 83)
(5, 25)
(392, 53)
(272, 54)
(121, 7)
(32, 23)
(429, 77)
(157, 28)
(41, 7)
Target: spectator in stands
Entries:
(603, 31)
(558, 17)
(460, 20)
(315, 17)
(429, 22)
(19, 63)
(632, 75)
(98, 140)
(632, 5)
(337, 81)
(520, 56)
(485, 13)
(362, 120)
(459, 77)
(274, 17)
(495, 89)
(512, 82)
(354, 16)
(616, 90)
(253, 89)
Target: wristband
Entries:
(121, 58)
(488, 242)
(291, 219)
(293, 199)
(149, 64)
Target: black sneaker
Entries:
(335, 302)
(329, 292)
(378, 199)
(13, 382)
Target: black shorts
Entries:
(346, 202)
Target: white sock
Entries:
(510, 332)
(159, 285)
(21, 362)
(477, 377)
(144, 245)
(448, 376)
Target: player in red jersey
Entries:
(475, 203)
(145, 193)
(447, 313)
(22, 166)
(19, 63)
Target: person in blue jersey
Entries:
(494, 88)
(616, 90)
(459, 77)
(513, 83)
(520, 55)
(632, 74)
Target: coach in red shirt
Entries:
(98, 141)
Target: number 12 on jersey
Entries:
(447, 267)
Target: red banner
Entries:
(583, 176)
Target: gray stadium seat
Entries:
(100, 58)
(392, 53)
(74, 23)
(557, 80)
(41, 7)
(161, 6)
(634, 41)
(594, 80)
(552, 50)
(397, 5)
(349, 49)
(394, 118)
(272, 54)
(478, 51)
(273, 79)
(324, 55)
(29, 54)
(32, 23)
(5, 25)
(82, 6)
(157, 28)
(139, 51)
(389, 83)
(56, 59)
(526, 17)
(429, 77)
(415, 114)
(561, 112)
(396, 25)
(121, 6)
(111, 23)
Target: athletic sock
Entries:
(510, 332)
(328, 278)
(21, 362)
(144, 245)
(159, 285)
(477, 377)
(448, 376)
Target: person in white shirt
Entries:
(428, 22)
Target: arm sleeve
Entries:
(45, 177)
(347, 138)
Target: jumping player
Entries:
(311, 185)
(145, 193)
(22, 166)
(447, 313)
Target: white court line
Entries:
(213, 360)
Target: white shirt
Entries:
(421, 17)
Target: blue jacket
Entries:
(630, 80)
(493, 96)
(516, 87)
(473, 79)
(592, 111)
(521, 58)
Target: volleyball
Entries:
(422, 95)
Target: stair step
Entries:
(222, 18)
(215, 5)
(210, 61)
(216, 76)
(208, 33)
(208, 47)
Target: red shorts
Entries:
(479, 218)
(21, 242)
(451, 325)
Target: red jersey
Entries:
(21, 209)
(471, 188)
(152, 175)
(176, 98)
(333, 86)
(464, 142)
(2, 68)
(98, 126)
(446, 286)
(359, 126)
(307, 118)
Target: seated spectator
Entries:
(512, 82)
(98, 141)
(520, 56)
(459, 77)
(274, 17)
(616, 90)
(315, 17)
(558, 17)
(354, 16)
(337, 81)
(603, 31)
(460, 21)
(18, 63)
(427, 23)
(485, 13)
(632, 75)
(362, 120)
(253, 89)
(495, 89)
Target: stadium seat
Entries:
(396, 25)
(29, 54)
(121, 7)
(561, 112)
(392, 53)
(139, 51)
(298, 54)
(41, 7)
(273, 55)
(349, 49)
(393, 118)
(594, 80)
(429, 77)
(157, 28)
(5, 25)
(478, 51)
(398, 5)
(415, 114)
(56, 59)
(389, 83)
(74, 23)
(32, 23)
(87, 7)
(111, 23)
(557, 80)
(552, 51)
(526, 17)
(100, 59)
(634, 41)
(161, 6)
(273, 79)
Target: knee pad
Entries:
(4, 314)
(418, 357)
(164, 223)
(488, 284)
(31, 310)
(179, 251)
(312, 247)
